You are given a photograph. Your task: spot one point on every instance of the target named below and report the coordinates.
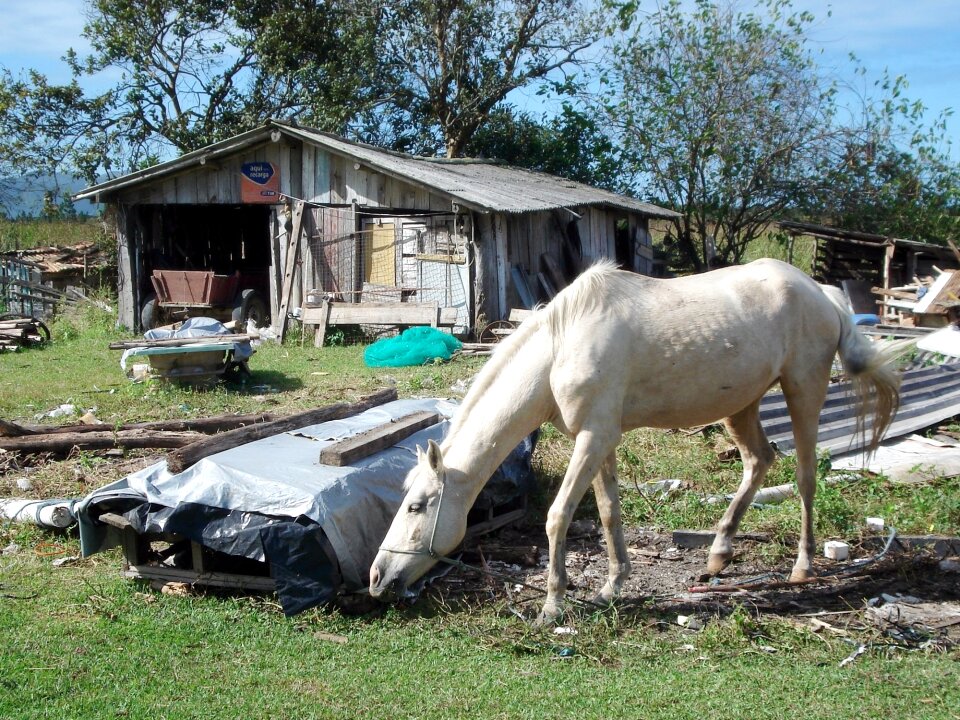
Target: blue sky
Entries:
(918, 38)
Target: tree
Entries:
(891, 172)
(571, 145)
(189, 74)
(723, 116)
(451, 62)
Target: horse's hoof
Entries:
(717, 562)
(550, 615)
(800, 575)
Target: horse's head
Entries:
(430, 523)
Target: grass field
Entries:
(80, 642)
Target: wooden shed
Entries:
(292, 214)
(860, 261)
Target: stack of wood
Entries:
(925, 302)
(16, 332)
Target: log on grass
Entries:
(63, 443)
(180, 460)
(206, 425)
(12, 429)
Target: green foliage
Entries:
(725, 116)
(572, 145)
(720, 111)
(893, 175)
(27, 233)
(452, 63)
(414, 75)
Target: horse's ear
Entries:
(434, 457)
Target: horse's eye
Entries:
(415, 507)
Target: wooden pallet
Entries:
(168, 557)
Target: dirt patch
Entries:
(911, 596)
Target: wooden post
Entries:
(322, 325)
(289, 267)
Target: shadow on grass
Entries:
(263, 381)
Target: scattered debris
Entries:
(177, 589)
(836, 550)
(875, 524)
(59, 411)
(65, 561)
(54, 514)
(861, 649)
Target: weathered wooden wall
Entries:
(344, 191)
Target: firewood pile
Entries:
(17, 332)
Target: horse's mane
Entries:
(504, 353)
(602, 283)
(599, 283)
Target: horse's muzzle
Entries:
(385, 591)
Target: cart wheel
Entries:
(150, 313)
(496, 331)
(250, 306)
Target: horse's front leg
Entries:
(589, 452)
(608, 503)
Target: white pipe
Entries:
(56, 514)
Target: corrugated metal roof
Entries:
(927, 396)
(63, 260)
(481, 184)
(477, 184)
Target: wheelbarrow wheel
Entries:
(150, 313)
(250, 306)
(497, 330)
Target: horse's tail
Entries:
(872, 372)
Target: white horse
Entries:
(616, 351)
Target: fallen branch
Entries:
(181, 459)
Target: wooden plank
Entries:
(215, 579)
(98, 440)
(183, 458)
(448, 317)
(181, 342)
(548, 287)
(551, 268)
(522, 285)
(372, 314)
(346, 452)
(289, 268)
(322, 315)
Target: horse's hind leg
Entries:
(608, 503)
(757, 456)
(805, 398)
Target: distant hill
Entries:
(23, 197)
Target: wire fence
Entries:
(416, 260)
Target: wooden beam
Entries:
(181, 459)
(346, 452)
